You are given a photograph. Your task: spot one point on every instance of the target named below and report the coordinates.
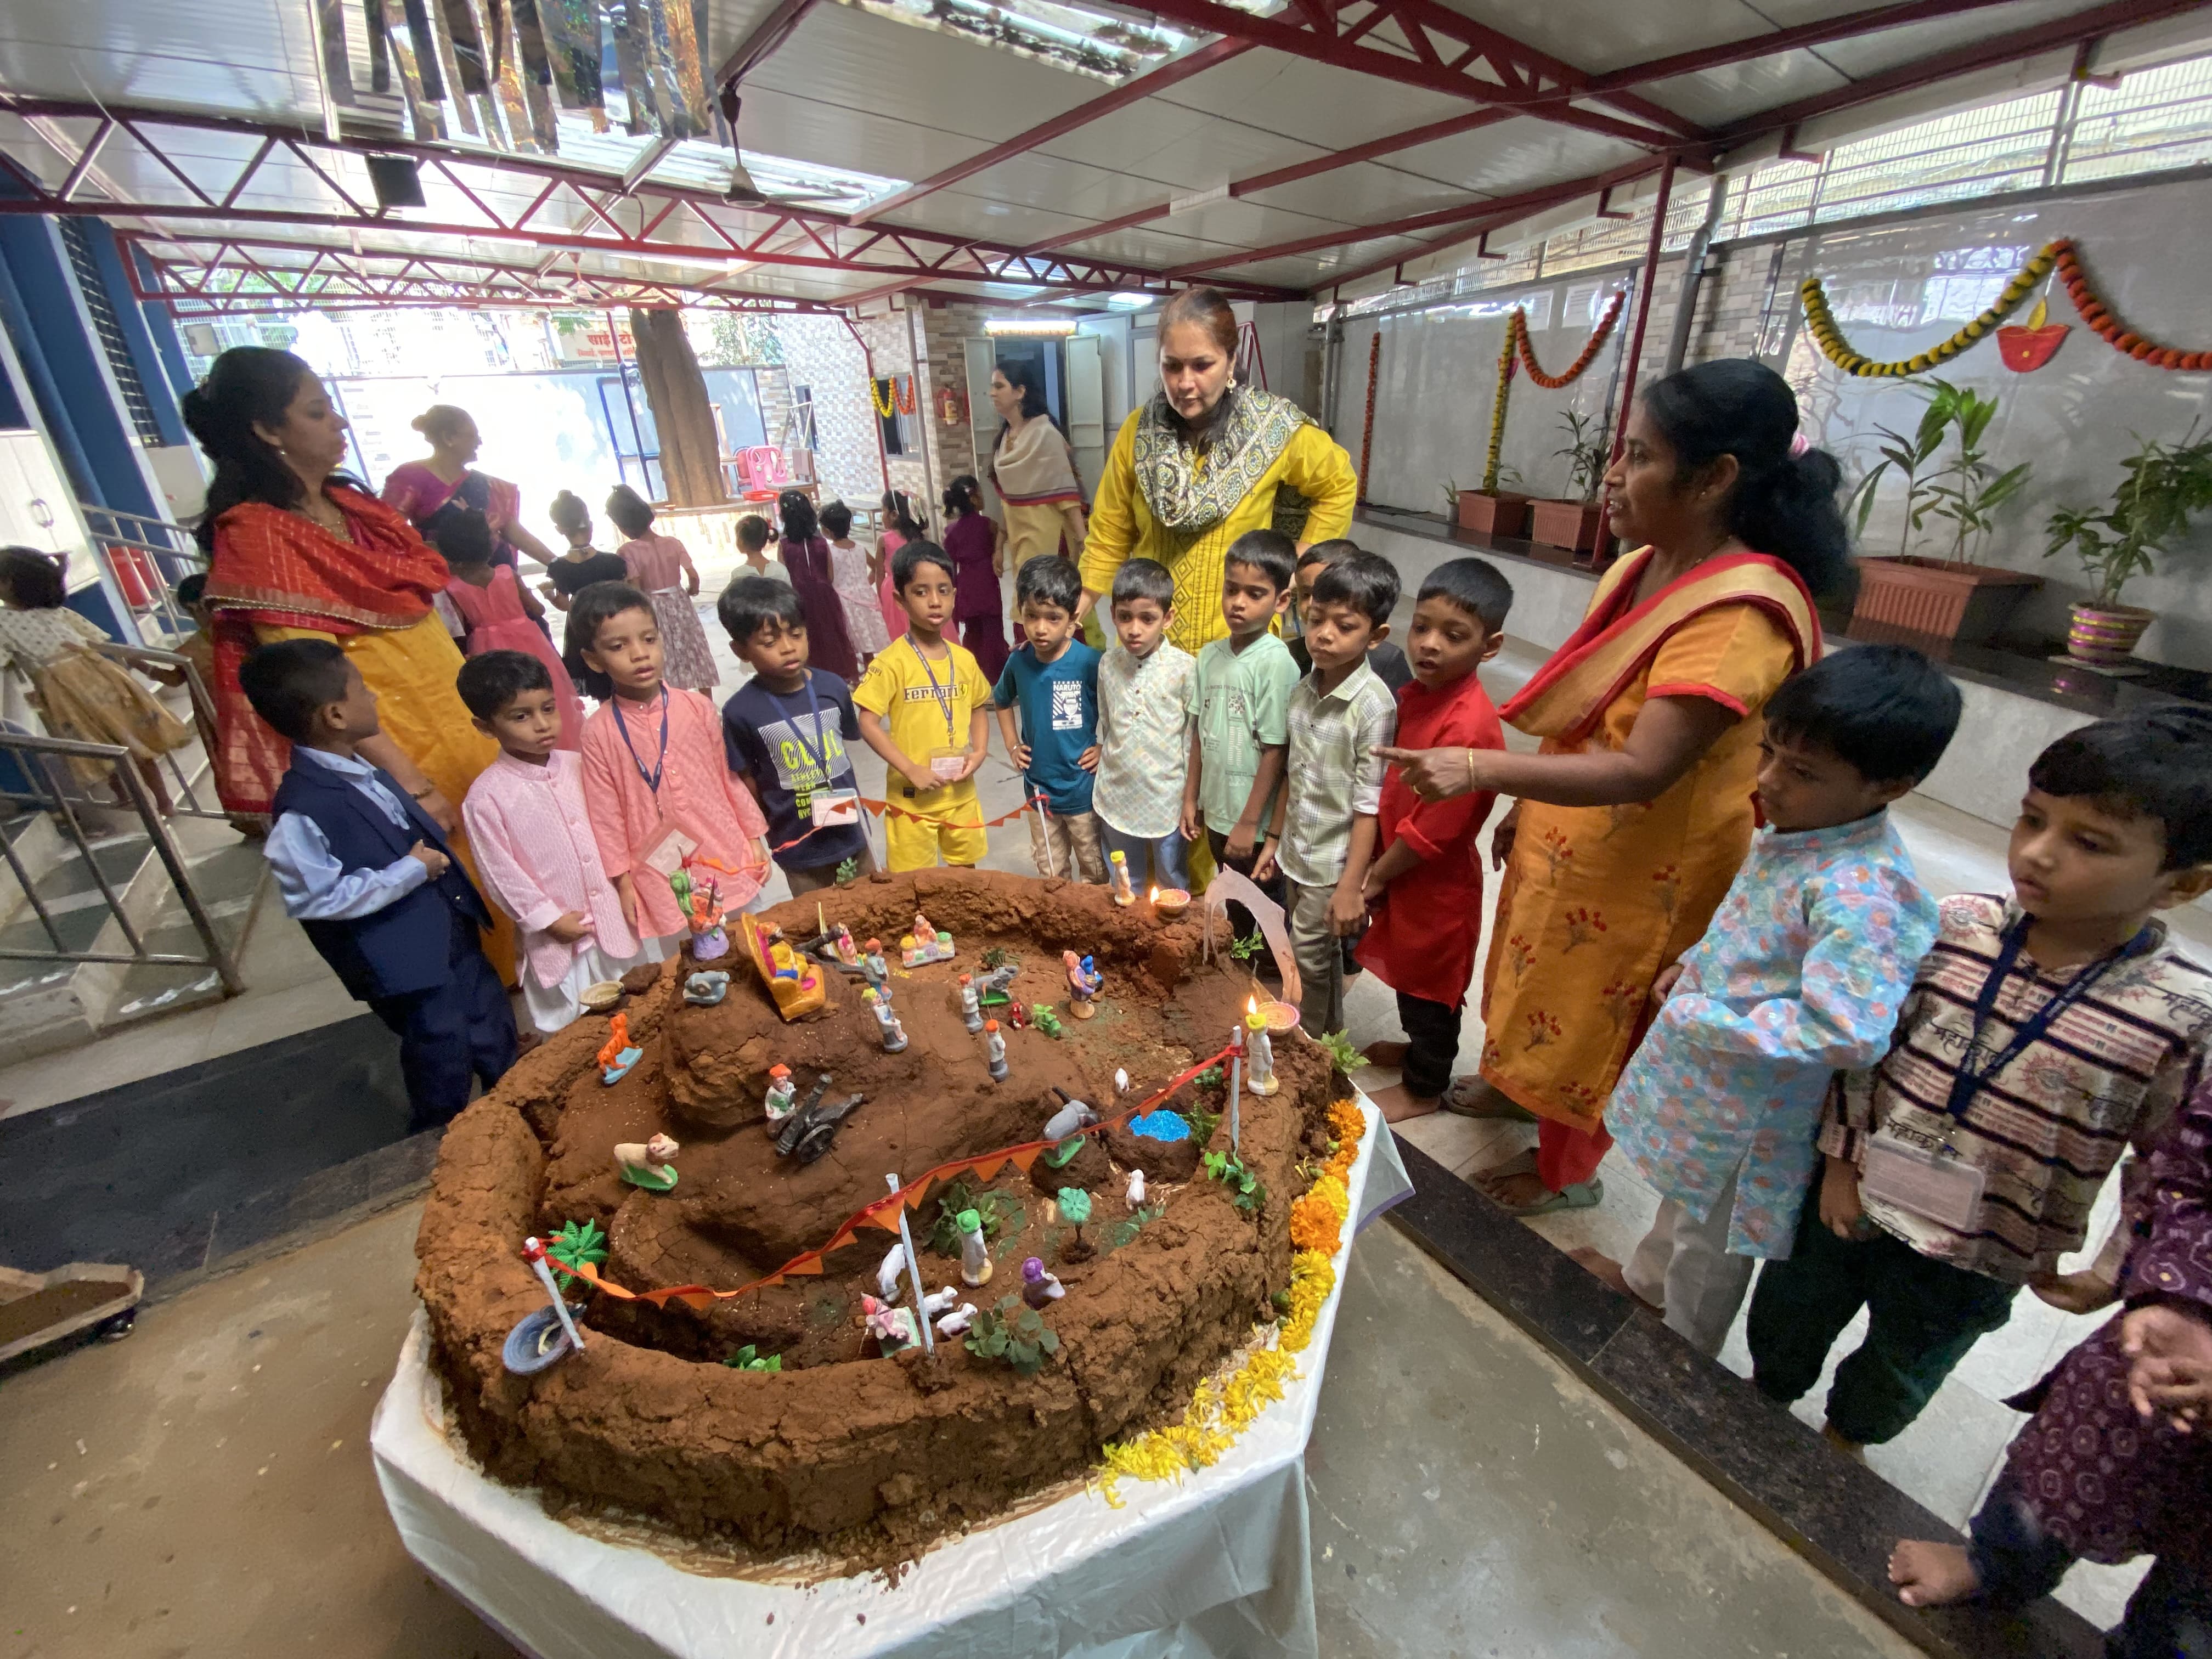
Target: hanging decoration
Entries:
(884, 395)
(2060, 256)
(902, 390)
(952, 405)
(1517, 345)
(1367, 431)
(2027, 349)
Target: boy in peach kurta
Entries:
(636, 782)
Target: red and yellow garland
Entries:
(2060, 256)
(1517, 327)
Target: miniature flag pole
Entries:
(534, 1254)
(1235, 1080)
(914, 1273)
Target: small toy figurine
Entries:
(1136, 1193)
(705, 989)
(872, 964)
(945, 951)
(1072, 1117)
(995, 987)
(1083, 983)
(616, 1056)
(780, 1093)
(809, 1130)
(1039, 1288)
(894, 1328)
(892, 1270)
(957, 1320)
(1123, 893)
(647, 1166)
(1121, 1080)
(925, 931)
(847, 952)
(970, 1015)
(796, 984)
(1259, 1051)
(894, 1034)
(783, 961)
(702, 904)
(975, 1254)
(547, 1335)
(1017, 1016)
(913, 953)
(995, 1049)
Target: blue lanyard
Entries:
(943, 694)
(1971, 1076)
(660, 763)
(819, 762)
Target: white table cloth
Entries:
(1218, 1563)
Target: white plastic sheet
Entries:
(1218, 1563)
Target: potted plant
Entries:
(2166, 485)
(1500, 510)
(1948, 595)
(1573, 521)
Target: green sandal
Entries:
(1582, 1196)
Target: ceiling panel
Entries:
(252, 58)
(1188, 149)
(1514, 155)
(778, 123)
(1312, 102)
(1598, 35)
(1717, 97)
(1162, 249)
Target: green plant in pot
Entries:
(2166, 485)
(1943, 594)
(1573, 520)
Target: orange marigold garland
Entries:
(2109, 328)
(1518, 328)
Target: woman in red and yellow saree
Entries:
(1636, 812)
(295, 553)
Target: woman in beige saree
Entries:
(1034, 470)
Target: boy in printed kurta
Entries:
(1424, 888)
(2040, 1039)
(532, 830)
(1146, 701)
(1802, 971)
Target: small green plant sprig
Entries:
(578, 1244)
(1208, 1078)
(1013, 1332)
(1249, 946)
(1245, 1191)
(746, 1359)
(848, 871)
(1341, 1054)
(997, 957)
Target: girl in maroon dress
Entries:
(805, 554)
(974, 539)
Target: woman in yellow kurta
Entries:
(295, 553)
(1203, 461)
(1637, 810)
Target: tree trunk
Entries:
(690, 450)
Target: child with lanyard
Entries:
(2041, 1038)
(924, 707)
(786, 731)
(655, 782)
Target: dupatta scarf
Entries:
(1568, 696)
(1034, 467)
(272, 569)
(1248, 437)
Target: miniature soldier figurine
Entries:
(995, 1047)
(975, 1254)
(847, 952)
(1262, 1055)
(1039, 1288)
(1123, 893)
(893, 1033)
(972, 1014)
(780, 1093)
(878, 971)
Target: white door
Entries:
(982, 419)
(1085, 393)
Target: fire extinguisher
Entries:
(952, 407)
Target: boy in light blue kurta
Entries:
(1801, 974)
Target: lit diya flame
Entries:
(1169, 901)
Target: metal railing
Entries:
(184, 801)
(145, 558)
(45, 768)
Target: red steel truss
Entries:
(570, 208)
(230, 276)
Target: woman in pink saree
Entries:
(444, 480)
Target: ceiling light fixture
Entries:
(1048, 326)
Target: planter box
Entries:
(1503, 514)
(1573, 525)
(1965, 602)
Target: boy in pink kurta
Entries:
(535, 855)
(623, 751)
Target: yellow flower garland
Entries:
(886, 406)
(1219, 1413)
(1821, 323)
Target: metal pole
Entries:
(1644, 299)
(165, 848)
(914, 1273)
(1693, 276)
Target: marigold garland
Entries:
(1498, 413)
(886, 403)
(2060, 256)
(903, 394)
(1219, 1413)
(1517, 330)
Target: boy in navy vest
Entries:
(368, 874)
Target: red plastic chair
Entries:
(761, 473)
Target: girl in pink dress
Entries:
(655, 773)
(901, 526)
(501, 613)
(661, 567)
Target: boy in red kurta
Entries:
(1424, 888)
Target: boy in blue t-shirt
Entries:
(785, 731)
(1054, 680)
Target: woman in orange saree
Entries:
(293, 552)
(1635, 813)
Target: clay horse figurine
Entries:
(647, 1166)
(617, 1057)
